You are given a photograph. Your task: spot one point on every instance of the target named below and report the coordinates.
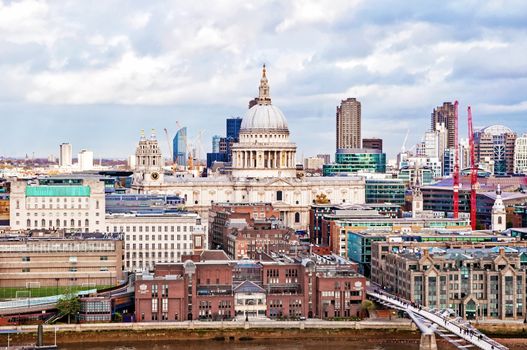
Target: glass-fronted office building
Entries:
(356, 159)
(179, 145)
(385, 191)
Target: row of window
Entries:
(159, 237)
(153, 228)
(57, 223)
(159, 246)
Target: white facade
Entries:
(264, 149)
(148, 162)
(264, 170)
(163, 238)
(71, 207)
(65, 157)
(85, 159)
(520, 155)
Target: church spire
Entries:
(264, 98)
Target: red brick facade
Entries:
(318, 287)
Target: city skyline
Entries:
(143, 72)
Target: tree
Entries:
(69, 305)
(367, 306)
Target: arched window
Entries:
(43, 223)
(97, 205)
(86, 223)
(297, 218)
(499, 220)
(58, 223)
(28, 223)
(72, 222)
(18, 204)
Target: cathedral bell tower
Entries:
(148, 161)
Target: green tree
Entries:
(367, 306)
(68, 306)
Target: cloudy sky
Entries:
(94, 73)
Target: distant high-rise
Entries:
(372, 143)
(495, 144)
(216, 143)
(326, 157)
(179, 146)
(85, 159)
(349, 124)
(520, 155)
(233, 128)
(65, 158)
(445, 115)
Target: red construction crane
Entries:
(473, 172)
(455, 176)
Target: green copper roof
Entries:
(57, 191)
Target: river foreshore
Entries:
(397, 331)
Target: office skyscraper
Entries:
(372, 143)
(179, 146)
(216, 143)
(349, 124)
(65, 158)
(85, 159)
(444, 115)
(233, 127)
(494, 145)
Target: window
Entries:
(26, 258)
(25, 269)
(297, 218)
(278, 195)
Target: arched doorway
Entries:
(470, 310)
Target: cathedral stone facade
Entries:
(263, 170)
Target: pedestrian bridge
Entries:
(431, 322)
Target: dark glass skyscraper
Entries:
(179, 146)
(233, 127)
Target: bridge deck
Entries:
(479, 340)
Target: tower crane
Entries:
(473, 171)
(456, 162)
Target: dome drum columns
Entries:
(264, 159)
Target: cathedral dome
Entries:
(263, 115)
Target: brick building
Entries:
(211, 286)
(224, 216)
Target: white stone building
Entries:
(264, 170)
(77, 206)
(157, 238)
(85, 160)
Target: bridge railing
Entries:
(470, 335)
